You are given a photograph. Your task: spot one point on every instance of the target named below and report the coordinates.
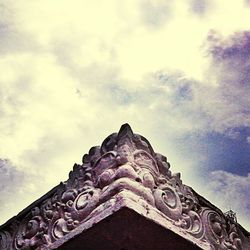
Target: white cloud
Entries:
(248, 139)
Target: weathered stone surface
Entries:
(123, 196)
(126, 229)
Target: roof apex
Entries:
(125, 167)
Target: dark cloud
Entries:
(236, 47)
(233, 54)
(229, 71)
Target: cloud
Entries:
(200, 7)
(230, 191)
(233, 51)
(247, 2)
(17, 189)
(9, 173)
(13, 39)
(156, 13)
(229, 92)
(57, 118)
(248, 139)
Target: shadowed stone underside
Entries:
(123, 196)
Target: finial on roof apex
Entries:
(124, 172)
(125, 130)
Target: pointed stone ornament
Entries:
(123, 196)
(125, 130)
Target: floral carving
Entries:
(217, 232)
(32, 232)
(125, 161)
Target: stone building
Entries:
(123, 196)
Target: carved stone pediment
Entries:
(124, 172)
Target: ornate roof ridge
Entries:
(124, 167)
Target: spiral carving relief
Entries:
(217, 233)
(125, 161)
(168, 201)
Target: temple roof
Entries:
(123, 173)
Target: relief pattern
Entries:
(125, 161)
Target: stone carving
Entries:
(219, 232)
(125, 161)
(5, 240)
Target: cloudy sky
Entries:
(73, 71)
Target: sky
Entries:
(72, 72)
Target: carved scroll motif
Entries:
(5, 240)
(125, 161)
(217, 232)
